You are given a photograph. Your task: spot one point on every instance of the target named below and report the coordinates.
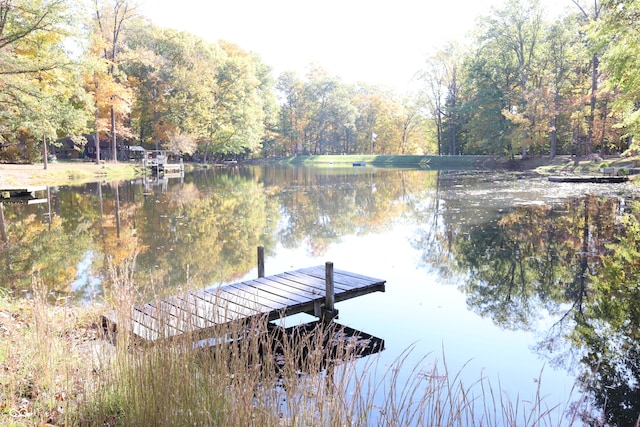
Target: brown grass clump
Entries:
(47, 355)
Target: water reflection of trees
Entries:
(39, 246)
(608, 330)
(188, 234)
(525, 262)
(321, 208)
(198, 231)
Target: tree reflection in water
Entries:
(577, 262)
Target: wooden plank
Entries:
(163, 323)
(204, 309)
(25, 189)
(185, 312)
(319, 269)
(314, 286)
(275, 290)
(589, 179)
(239, 301)
(313, 280)
(314, 292)
(229, 304)
(229, 311)
(257, 295)
(344, 278)
(141, 325)
(299, 292)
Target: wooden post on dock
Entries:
(260, 261)
(329, 312)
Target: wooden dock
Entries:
(20, 192)
(311, 290)
(168, 168)
(159, 164)
(592, 179)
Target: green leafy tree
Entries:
(377, 123)
(292, 118)
(485, 93)
(590, 13)
(617, 37)
(239, 103)
(514, 31)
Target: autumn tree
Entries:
(559, 48)
(111, 22)
(40, 97)
(376, 123)
(292, 119)
(515, 31)
(174, 77)
(485, 93)
(323, 115)
(442, 80)
(590, 14)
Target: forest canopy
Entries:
(73, 72)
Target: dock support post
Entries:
(329, 311)
(260, 261)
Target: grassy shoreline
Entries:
(65, 173)
(392, 160)
(563, 164)
(74, 172)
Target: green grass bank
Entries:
(392, 160)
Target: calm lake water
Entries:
(484, 269)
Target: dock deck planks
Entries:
(280, 295)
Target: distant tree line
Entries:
(530, 86)
(523, 86)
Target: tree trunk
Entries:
(97, 139)
(554, 138)
(114, 153)
(592, 106)
(3, 228)
(44, 152)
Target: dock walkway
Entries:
(310, 290)
(20, 192)
(593, 179)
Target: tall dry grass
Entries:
(251, 375)
(45, 358)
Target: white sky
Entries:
(356, 40)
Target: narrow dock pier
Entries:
(168, 168)
(159, 164)
(26, 192)
(592, 179)
(312, 290)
